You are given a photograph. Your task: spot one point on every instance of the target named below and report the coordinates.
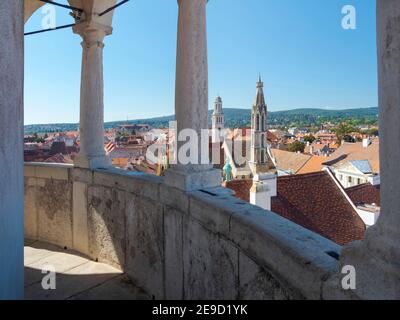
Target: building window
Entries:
(358, 181)
(340, 177)
(349, 179)
(262, 123)
(258, 122)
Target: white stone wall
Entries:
(173, 244)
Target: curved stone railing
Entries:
(204, 244)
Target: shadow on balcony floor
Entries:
(77, 277)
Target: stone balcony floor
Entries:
(77, 277)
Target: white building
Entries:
(218, 122)
(261, 162)
(356, 172)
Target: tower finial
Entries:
(260, 84)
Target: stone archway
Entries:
(30, 6)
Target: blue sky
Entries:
(306, 58)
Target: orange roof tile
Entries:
(313, 201)
(313, 165)
(364, 194)
(355, 151)
(290, 161)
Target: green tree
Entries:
(296, 146)
(310, 138)
(343, 130)
(373, 132)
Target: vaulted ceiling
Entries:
(88, 6)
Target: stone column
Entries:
(11, 150)
(377, 258)
(92, 154)
(191, 96)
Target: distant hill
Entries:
(241, 117)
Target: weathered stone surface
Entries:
(30, 210)
(210, 264)
(187, 180)
(106, 225)
(53, 171)
(137, 183)
(296, 255)
(174, 198)
(145, 247)
(29, 171)
(173, 235)
(332, 289)
(255, 283)
(54, 207)
(213, 211)
(82, 175)
(221, 248)
(80, 236)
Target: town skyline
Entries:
(330, 68)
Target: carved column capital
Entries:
(92, 32)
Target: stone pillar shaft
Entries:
(388, 15)
(191, 101)
(384, 237)
(377, 258)
(11, 150)
(191, 97)
(92, 154)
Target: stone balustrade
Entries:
(174, 244)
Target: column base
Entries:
(101, 162)
(376, 278)
(191, 181)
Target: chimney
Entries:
(263, 190)
(366, 142)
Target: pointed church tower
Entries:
(261, 156)
(261, 163)
(218, 122)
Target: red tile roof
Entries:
(59, 158)
(317, 203)
(313, 201)
(241, 188)
(364, 194)
(272, 137)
